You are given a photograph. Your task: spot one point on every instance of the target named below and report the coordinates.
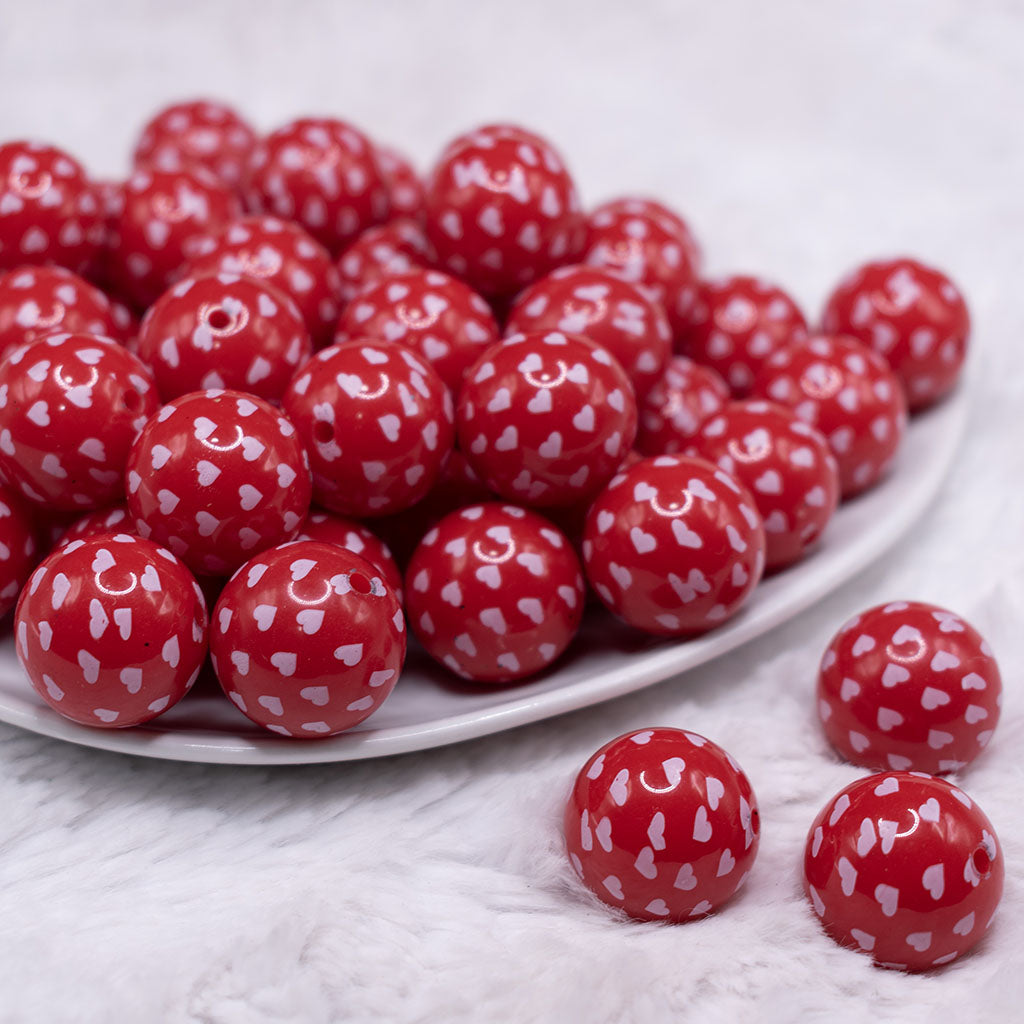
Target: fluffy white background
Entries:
(800, 139)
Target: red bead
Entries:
(70, 407)
(307, 639)
(674, 545)
(200, 133)
(495, 593)
(662, 824)
(393, 248)
(377, 424)
(911, 314)
(49, 212)
(112, 519)
(787, 467)
(502, 209)
(37, 301)
(215, 476)
(686, 395)
(546, 418)
(322, 173)
(111, 630)
(18, 547)
(165, 215)
(279, 254)
(904, 867)
(405, 190)
(224, 331)
(607, 311)
(849, 394)
(648, 244)
(909, 685)
(433, 314)
(347, 533)
(736, 323)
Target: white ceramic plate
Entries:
(428, 709)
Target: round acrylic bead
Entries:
(685, 396)
(495, 593)
(197, 133)
(18, 547)
(662, 824)
(904, 867)
(736, 323)
(215, 476)
(546, 418)
(321, 173)
(502, 209)
(785, 464)
(224, 331)
(850, 395)
(908, 685)
(111, 630)
(377, 423)
(49, 211)
(673, 545)
(307, 639)
(70, 407)
(911, 314)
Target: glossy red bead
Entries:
(18, 547)
(904, 867)
(164, 217)
(111, 630)
(307, 639)
(646, 243)
(321, 173)
(215, 476)
(674, 545)
(435, 315)
(112, 519)
(908, 685)
(393, 248)
(546, 418)
(662, 824)
(736, 323)
(849, 394)
(406, 195)
(327, 528)
(377, 423)
(49, 211)
(197, 133)
(502, 210)
(70, 407)
(282, 255)
(37, 301)
(494, 593)
(224, 331)
(604, 309)
(685, 396)
(785, 464)
(911, 314)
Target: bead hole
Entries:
(218, 319)
(360, 583)
(323, 432)
(132, 401)
(982, 861)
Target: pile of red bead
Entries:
(260, 360)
